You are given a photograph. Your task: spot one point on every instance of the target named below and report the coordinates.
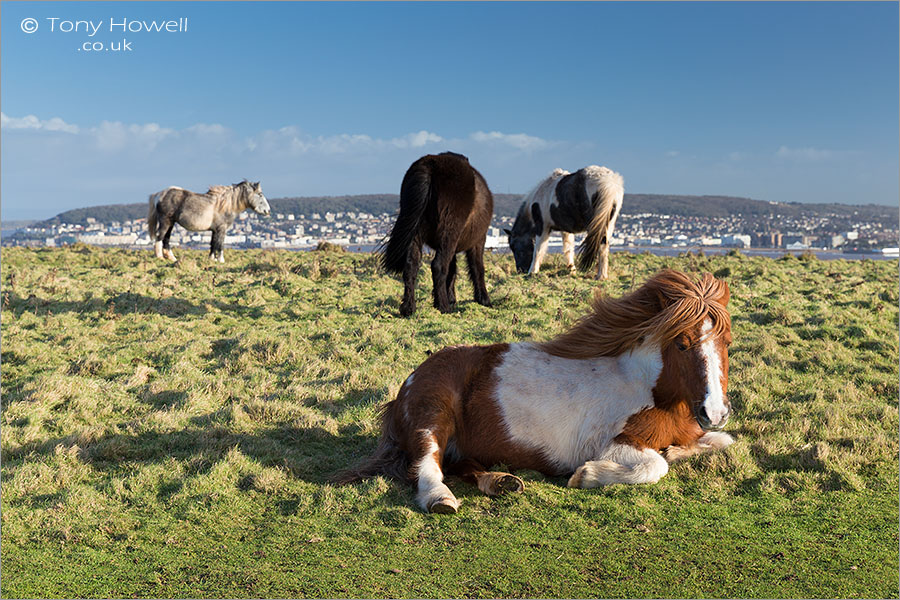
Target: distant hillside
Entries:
(508, 204)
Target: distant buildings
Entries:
(299, 231)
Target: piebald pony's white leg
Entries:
(710, 442)
(540, 250)
(568, 240)
(221, 256)
(433, 495)
(169, 254)
(620, 463)
(158, 248)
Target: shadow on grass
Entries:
(120, 304)
(311, 454)
(126, 303)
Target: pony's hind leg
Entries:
(492, 483)
(568, 240)
(440, 269)
(621, 463)
(162, 228)
(433, 495)
(451, 282)
(410, 273)
(603, 267)
(167, 252)
(475, 261)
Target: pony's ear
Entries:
(538, 218)
(507, 231)
(663, 300)
(726, 293)
(256, 186)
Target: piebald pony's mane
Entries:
(666, 306)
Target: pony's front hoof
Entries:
(407, 310)
(444, 506)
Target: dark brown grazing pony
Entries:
(638, 382)
(445, 203)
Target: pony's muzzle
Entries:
(706, 423)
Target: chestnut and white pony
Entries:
(638, 382)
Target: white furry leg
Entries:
(540, 250)
(169, 254)
(621, 464)
(433, 495)
(710, 442)
(568, 240)
(603, 267)
(157, 247)
(221, 256)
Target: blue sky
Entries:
(775, 101)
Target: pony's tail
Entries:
(388, 460)
(151, 216)
(611, 190)
(415, 192)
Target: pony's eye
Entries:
(681, 345)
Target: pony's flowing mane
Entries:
(667, 305)
(217, 190)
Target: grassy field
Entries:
(168, 431)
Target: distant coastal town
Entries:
(363, 231)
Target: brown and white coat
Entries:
(638, 382)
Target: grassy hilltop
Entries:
(167, 431)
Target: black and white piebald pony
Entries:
(589, 199)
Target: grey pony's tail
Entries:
(415, 192)
(388, 460)
(151, 216)
(611, 189)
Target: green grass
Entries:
(168, 431)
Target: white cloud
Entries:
(32, 122)
(114, 135)
(417, 140)
(520, 141)
(805, 154)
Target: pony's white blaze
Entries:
(714, 403)
(572, 409)
(430, 478)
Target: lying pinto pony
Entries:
(637, 383)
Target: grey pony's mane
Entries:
(226, 197)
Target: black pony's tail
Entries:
(415, 192)
(388, 460)
(610, 190)
(151, 216)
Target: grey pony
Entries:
(213, 211)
